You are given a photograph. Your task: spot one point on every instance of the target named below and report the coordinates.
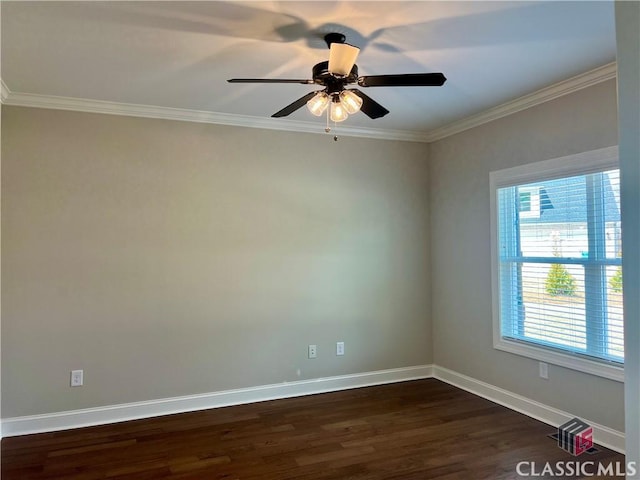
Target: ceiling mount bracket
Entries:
(334, 38)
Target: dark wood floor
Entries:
(422, 429)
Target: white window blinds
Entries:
(559, 274)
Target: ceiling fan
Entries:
(339, 72)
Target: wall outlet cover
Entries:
(77, 378)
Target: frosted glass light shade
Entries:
(350, 101)
(319, 103)
(338, 112)
(342, 56)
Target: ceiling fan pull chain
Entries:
(328, 128)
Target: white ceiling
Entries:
(180, 54)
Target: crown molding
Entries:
(4, 91)
(573, 84)
(199, 116)
(546, 94)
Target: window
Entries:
(557, 278)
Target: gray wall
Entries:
(461, 255)
(170, 258)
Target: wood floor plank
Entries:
(422, 429)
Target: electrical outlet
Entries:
(544, 370)
(77, 378)
(313, 351)
(340, 348)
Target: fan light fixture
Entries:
(351, 101)
(342, 104)
(319, 103)
(339, 112)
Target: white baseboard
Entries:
(165, 406)
(605, 436)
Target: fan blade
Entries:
(403, 80)
(289, 109)
(342, 57)
(270, 80)
(370, 107)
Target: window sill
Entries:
(573, 362)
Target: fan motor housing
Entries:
(334, 83)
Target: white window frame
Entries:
(572, 165)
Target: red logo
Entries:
(575, 436)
